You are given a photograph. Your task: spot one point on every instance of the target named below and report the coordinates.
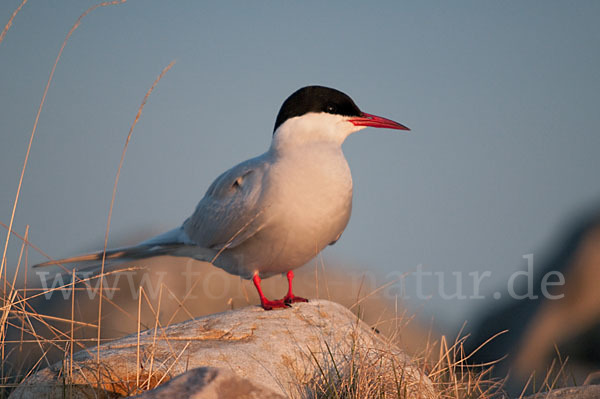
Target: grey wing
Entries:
(231, 210)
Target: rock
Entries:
(582, 392)
(210, 383)
(293, 352)
(536, 329)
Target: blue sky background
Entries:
(502, 99)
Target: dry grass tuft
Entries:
(445, 365)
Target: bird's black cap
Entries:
(316, 99)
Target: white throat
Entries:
(313, 128)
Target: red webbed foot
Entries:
(289, 299)
(264, 302)
(281, 303)
(277, 304)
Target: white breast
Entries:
(309, 197)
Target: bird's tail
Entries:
(122, 254)
(174, 243)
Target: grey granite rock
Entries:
(582, 392)
(210, 383)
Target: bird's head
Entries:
(317, 113)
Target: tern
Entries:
(275, 212)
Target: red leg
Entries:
(265, 303)
(290, 297)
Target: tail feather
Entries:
(128, 253)
(174, 242)
(152, 247)
(171, 237)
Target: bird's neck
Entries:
(310, 130)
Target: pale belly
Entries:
(308, 211)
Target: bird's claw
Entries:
(289, 299)
(277, 304)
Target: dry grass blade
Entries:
(37, 118)
(373, 292)
(331, 386)
(14, 280)
(72, 341)
(5, 312)
(8, 305)
(179, 304)
(139, 322)
(156, 316)
(173, 364)
(112, 201)
(10, 21)
(59, 319)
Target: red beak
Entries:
(376, 121)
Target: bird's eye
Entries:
(331, 108)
